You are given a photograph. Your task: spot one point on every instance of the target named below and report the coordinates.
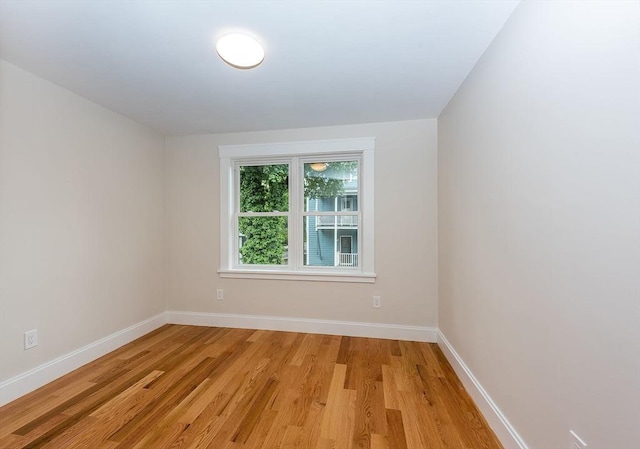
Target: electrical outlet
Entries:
(576, 441)
(219, 294)
(377, 302)
(31, 339)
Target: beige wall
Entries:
(81, 221)
(539, 208)
(405, 232)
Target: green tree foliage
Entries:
(265, 188)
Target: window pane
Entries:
(262, 241)
(331, 240)
(331, 186)
(264, 188)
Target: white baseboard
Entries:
(348, 328)
(35, 378)
(496, 419)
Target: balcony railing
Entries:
(347, 259)
(339, 221)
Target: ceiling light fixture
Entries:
(318, 166)
(240, 51)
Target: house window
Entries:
(300, 210)
(347, 203)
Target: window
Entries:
(297, 210)
(347, 202)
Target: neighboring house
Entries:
(332, 240)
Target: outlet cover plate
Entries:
(31, 339)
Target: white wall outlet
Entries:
(576, 441)
(31, 339)
(377, 302)
(219, 294)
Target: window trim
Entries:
(231, 155)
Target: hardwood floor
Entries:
(199, 387)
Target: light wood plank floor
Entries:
(200, 387)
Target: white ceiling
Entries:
(327, 62)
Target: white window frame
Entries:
(231, 156)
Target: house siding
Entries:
(322, 243)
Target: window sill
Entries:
(368, 278)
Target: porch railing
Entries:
(341, 221)
(347, 259)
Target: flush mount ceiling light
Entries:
(318, 166)
(240, 51)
